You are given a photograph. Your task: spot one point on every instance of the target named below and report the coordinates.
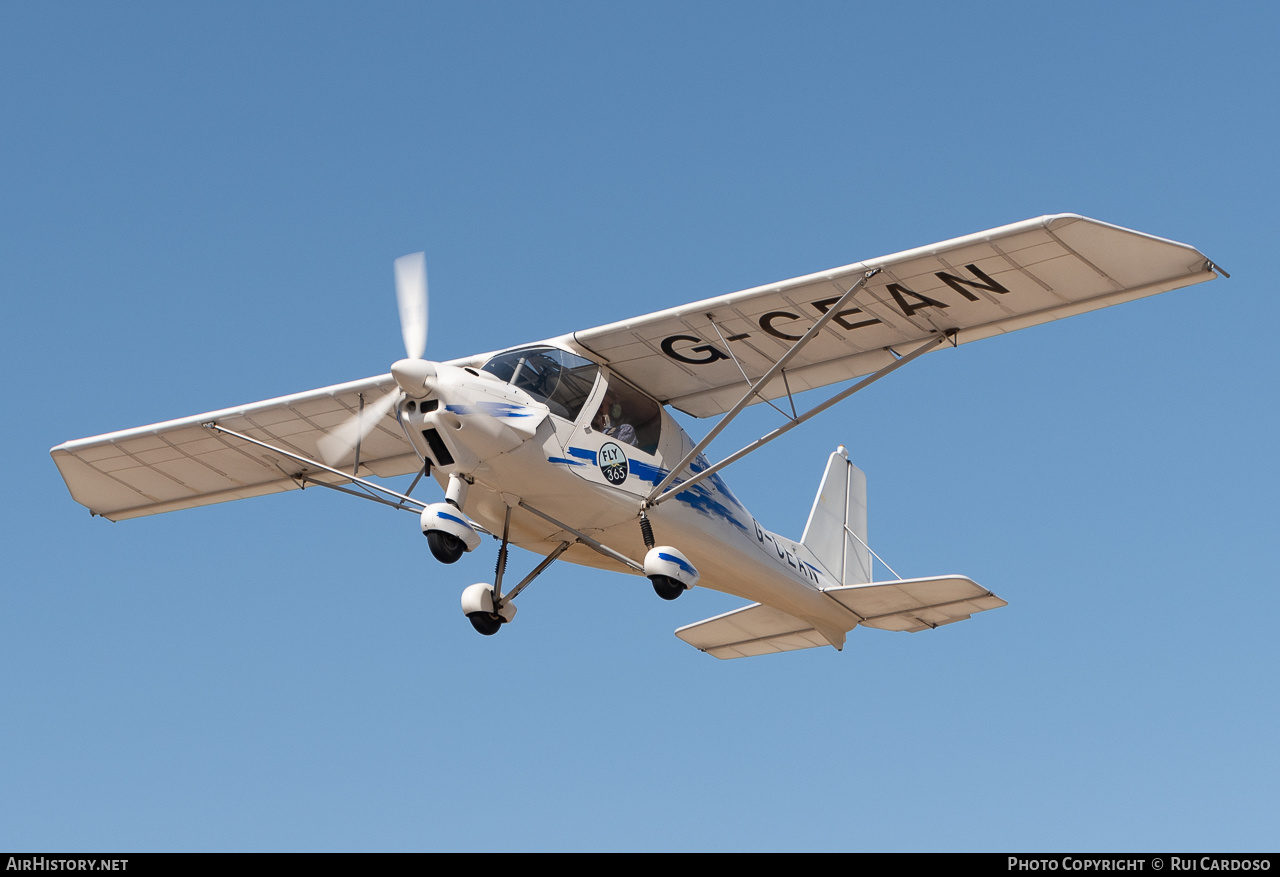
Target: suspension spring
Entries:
(646, 530)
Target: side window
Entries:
(629, 416)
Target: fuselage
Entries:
(565, 436)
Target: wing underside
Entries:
(693, 357)
(180, 464)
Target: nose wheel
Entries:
(449, 533)
(445, 547)
(666, 567)
(666, 587)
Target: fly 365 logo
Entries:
(613, 463)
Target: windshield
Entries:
(560, 379)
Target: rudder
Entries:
(836, 533)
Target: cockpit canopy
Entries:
(560, 379)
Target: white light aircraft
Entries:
(565, 447)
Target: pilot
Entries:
(609, 420)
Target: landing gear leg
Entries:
(485, 605)
(667, 568)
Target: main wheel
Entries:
(485, 623)
(666, 587)
(446, 547)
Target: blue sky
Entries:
(201, 207)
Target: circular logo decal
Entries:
(613, 463)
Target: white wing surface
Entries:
(913, 605)
(909, 605)
(980, 285)
(983, 284)
(752, 630)
(180, 464)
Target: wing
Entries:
(981, 285)
(180, 464)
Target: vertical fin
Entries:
(837, 530)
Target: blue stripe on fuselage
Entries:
(493, 409)
(583, 454)
(701, 497)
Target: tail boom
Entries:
(820, 587)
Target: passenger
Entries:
(609, 420)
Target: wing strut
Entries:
(654, 498)
(586, 540)
(425, 470)
(367, 485)
(757, 386)
(498, 597)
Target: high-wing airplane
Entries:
(565, 447)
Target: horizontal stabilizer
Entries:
(916, 604)
(749, 631)
(909, 604)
